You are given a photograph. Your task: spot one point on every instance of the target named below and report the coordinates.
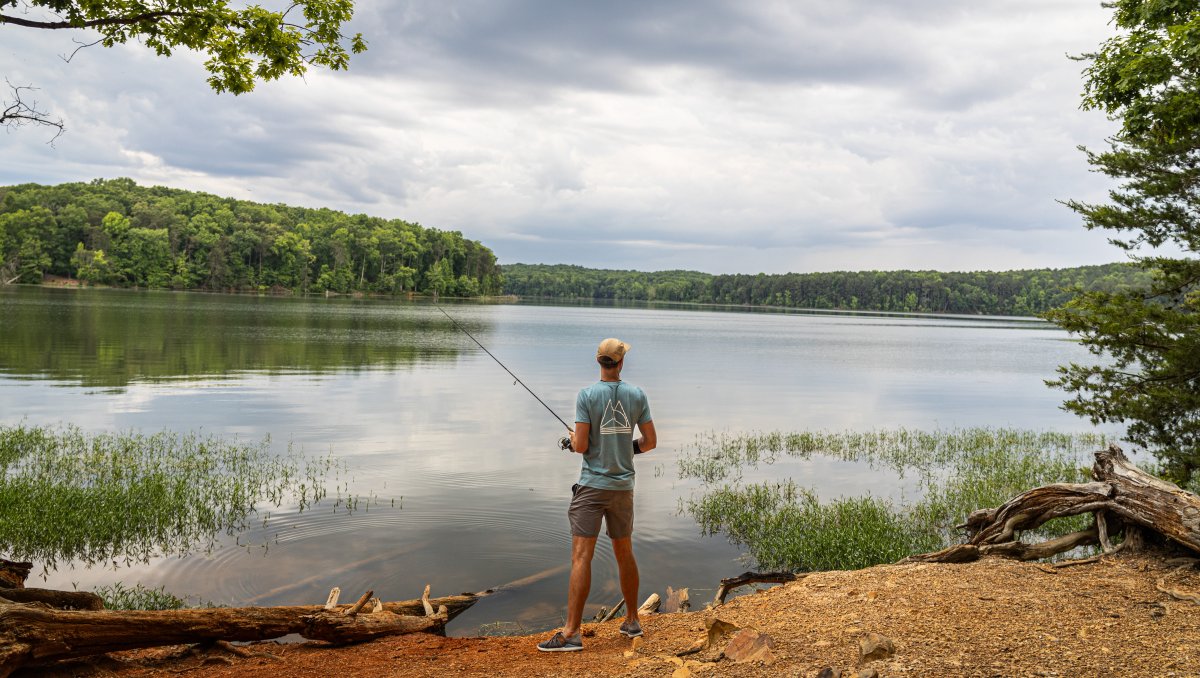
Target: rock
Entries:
(749, 645)
(681, 672)
(866, 673)
(630, 654)
(830, 672)
(875, 646)
(717, 629)
(637, 644)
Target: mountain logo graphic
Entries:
(615, 420)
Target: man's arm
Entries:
(649, 439)
(579, 437)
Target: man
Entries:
(603, 434)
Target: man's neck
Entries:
(610, 375)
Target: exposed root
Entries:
(1177, 594)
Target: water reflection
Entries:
(110, 338)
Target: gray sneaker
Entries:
(631, 629)
(561, 643)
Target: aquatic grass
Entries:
(138, 597)
(784, 526)
(715, 457)
(70, 496)
(787, 527)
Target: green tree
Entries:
(1147, 79)
(244, 44)
(24, 251)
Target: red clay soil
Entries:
(989, 618)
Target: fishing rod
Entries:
(564, 443)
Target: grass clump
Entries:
(958, 471)
(138, 597)
(66, 495)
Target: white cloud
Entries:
(716, 136)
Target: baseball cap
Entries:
(613, 349)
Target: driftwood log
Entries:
(34, 633)
(1122, 497)
(730, 583)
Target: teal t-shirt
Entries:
(612, 408)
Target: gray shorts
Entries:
(589, 505)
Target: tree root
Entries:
(1177, 594)
(1123, 497)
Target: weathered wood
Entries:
(730, 583)
(362, 602)
(1122, 497)
(613, 612)
(651, 604)
(32, 634)
(1153, 503)
(1030, 509)
(13, 574)
(343, 629)
(63, 600)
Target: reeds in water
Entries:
(70, 496)
(784, 526)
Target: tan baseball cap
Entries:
(613, 349)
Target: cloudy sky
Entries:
(699, 134)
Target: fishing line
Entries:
(510, 372)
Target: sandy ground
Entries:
(990, 618)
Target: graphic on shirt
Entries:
(615, 420)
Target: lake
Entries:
(468, 487)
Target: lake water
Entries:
(423, 417)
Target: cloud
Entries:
(714, 135)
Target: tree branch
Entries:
(19, 112)
(107, 21)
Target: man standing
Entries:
(604, 413)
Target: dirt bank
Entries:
(990, 618)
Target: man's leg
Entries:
(582, 549)
(627, 568)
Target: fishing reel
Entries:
(564, 443)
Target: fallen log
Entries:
(347, 628)
(32, 634)
(1122, 497)
(63, 600)
(730, 583)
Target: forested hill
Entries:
(995, 293)
(114, 232)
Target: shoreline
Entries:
(993, 617)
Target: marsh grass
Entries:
(139, 597)
(69, 496)
(784, 526)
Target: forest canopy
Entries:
(115, 232)
(1027, 292)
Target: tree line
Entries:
(1028, 292)
(115, 232)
